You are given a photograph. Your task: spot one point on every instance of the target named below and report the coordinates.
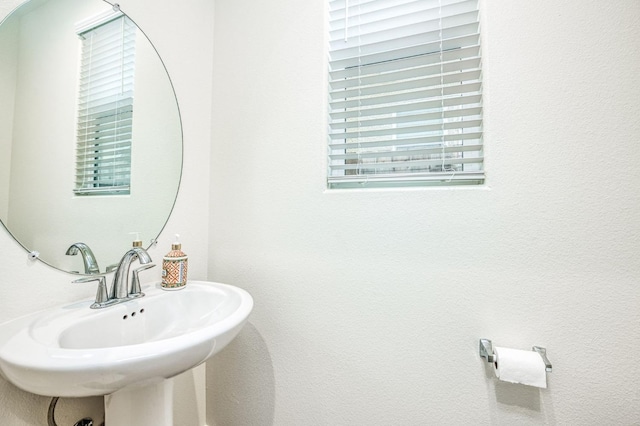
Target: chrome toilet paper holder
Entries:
(486, 351)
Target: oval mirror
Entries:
(86, 160)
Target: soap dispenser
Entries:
(174, 267)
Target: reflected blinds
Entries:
(105, 110)
(405, 103)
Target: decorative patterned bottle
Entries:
(174, 268)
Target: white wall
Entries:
(369, 304)
(183, 37)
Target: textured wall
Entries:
(369, 304)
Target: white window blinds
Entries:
(405, 102)
(105, 108)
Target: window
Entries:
(105, 105)
(405, 102)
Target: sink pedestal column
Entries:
(141, 405)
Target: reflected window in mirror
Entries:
(105, 105)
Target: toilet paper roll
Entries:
(518, 366)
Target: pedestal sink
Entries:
(126, 352)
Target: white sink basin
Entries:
(76, 351)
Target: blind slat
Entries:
(394, 14)
(404, 73)
(92, 81)
(434, 48)
(358, 90)
(100, 120)
(473, 87)
(436, 150)
(103, 154)
(468, 137)
(437, 58)
(399, 119)
(422, 105)
(112, 106)
(400, 130)
(439, 164)
(117, 174)
(391, 39)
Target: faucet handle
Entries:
(136, 290)
(101, 294)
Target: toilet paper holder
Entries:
(486, 351)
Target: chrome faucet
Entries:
(120, 287)
(89, 259)
(121, 290)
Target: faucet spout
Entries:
(120, 287)
(88, 258)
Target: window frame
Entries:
(105, 105)
(365, 154)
